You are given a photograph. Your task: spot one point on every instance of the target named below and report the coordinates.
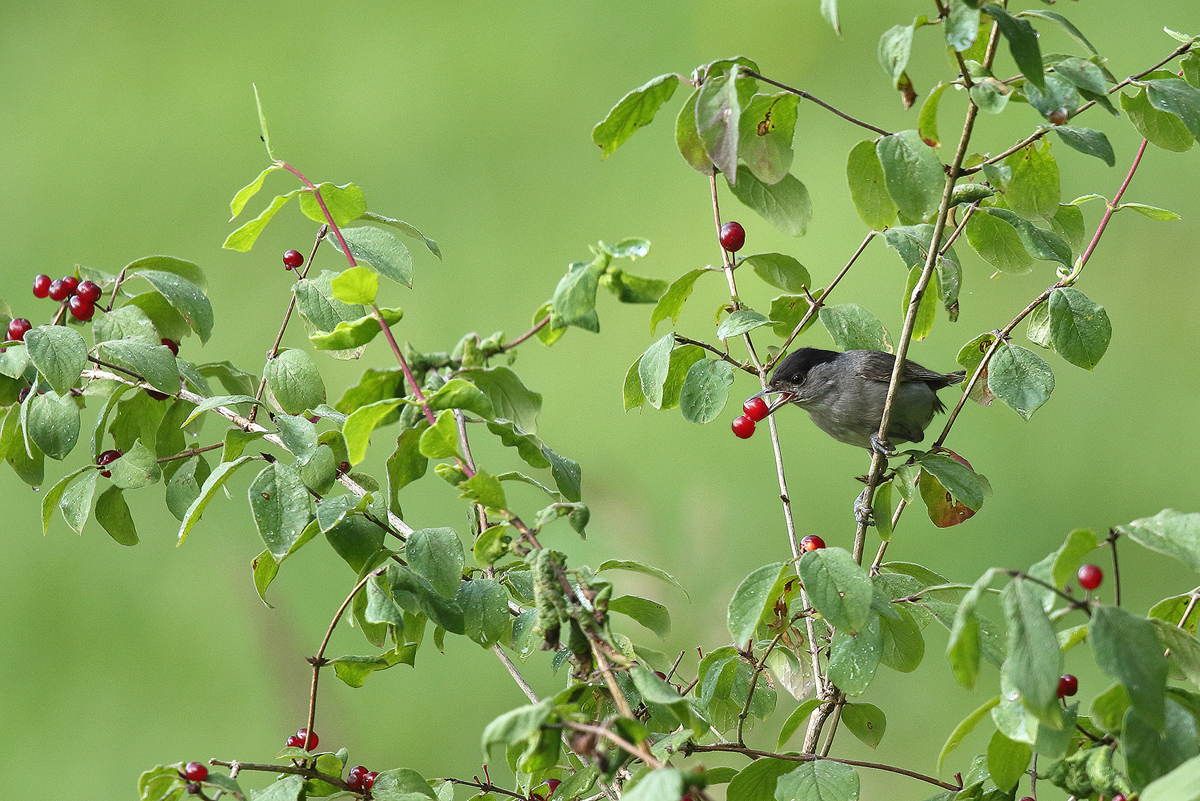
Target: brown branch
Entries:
(295, 770)
(818, 101)
(738, 749)
(617, 740)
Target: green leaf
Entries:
(687, 137)
(705, 390)
(820, 780)
(632, 288)
(718, 111)
(127, 322)
(964, 647)
(751, 600)
(52, 423)
(1038, 242)
(1083, 74)
(780, 270)
(1128, 650)
(853, 327)
(1153, 212)
(355, 333)
(866, 722)
(26, 460)
(740, 322)
(437, 555)
(1034, 662)
(653, 616)
(345, 203)
(903, 645)
(295, 381)
(1152, 752)
(357, 285)
(796, 720)
(838, 587)
(262, 121)
(1020, 378)
(185, 297)
(155, 363)
(632, 112)
(1087, 141)
(1162, 129)
(998, 243)
(137, 468)
(459, 394)
(59, 354)
(653, 367)
(485, 610)
(282, 507)
(216, 401)
(965, 727)
(356, 540)
(1022, 43)
(895, 47)
(914, 175)
(381, 251)
(765, 133)
(405, 228)
(440, 440)
(868, 186)
(757, 781)
(1007, 760)
(671, 303)
(510, 398)
(55, 494)
(854, 658)
(784, 204)
(1066, 24)
(1079, 329)
(484, 489)
(183, 487)
(244, 237)
(112, 513)
(1181, 784)
(315, 301)
(962, 25)
(927, 121)
(215, 481)
(1172, 533)
(248, 191)
(187, 270)
(665, 784)
(415, 595)
(638, 567)
(286, 789)
(927, 309)
(963, 483)
(1178, 97)
(1033, 190)
(788, 311)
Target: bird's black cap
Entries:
(795, 366)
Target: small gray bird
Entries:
(844, 394)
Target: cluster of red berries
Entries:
(80, 296)
(299, 739)
(753, 410)
(359, 778)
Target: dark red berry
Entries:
(23, 394)
(107, 458)
(41, 286)
(89, 291)
(313, 740)
(354, 779)
(194, 788)
(1090, 577)
(1059, 116)
(195, 772)
(58, 290)
(295, 742)
(173, 345)
(553, 783)
(156, 395)
(17, 328)
(756, 409)
(292, 259)
(812, 543)
(344, 467)
(1067, 685)
(81, 309)
(369, 781)
(71, 283)
(1118, 797)
(1027, 798)
(733, 236)
(743, 426)
(536, 797)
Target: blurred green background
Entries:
(128, 126)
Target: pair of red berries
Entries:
(81, 296)
(753, 410)
(298, 739)
(359, 778)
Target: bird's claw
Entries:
(863, 513)
(881, 446)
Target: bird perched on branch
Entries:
(844, 393)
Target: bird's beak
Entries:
(784, 397)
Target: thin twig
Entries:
(538, 326)
(1112, 543)
(615, 739)
(516, 674)
(487, 788)
(190, 452)
(758, 669)
(818, 101)
(738, 749)
(294, 770)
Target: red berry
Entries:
(1067, 685)
(81, 309)
(295, 742)
(89, 291)
(71, 283)
(292, 259)
(173, 345)
(1060, 115)
(1027, 798)
(756, 409)
(313, 740)
(344, 467)
(58, 290)
(17, 328)
(369, 781)
(354, 779)
(812, 543)
(23, 394)
(733, 236)
(743, 426)
(1090, 577)
(195, 772)
(553, 783)
(41, 286)
(107, 458)
(1118, 797)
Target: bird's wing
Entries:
(877, 366)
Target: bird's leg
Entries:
(881, 446)
(863, 513)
